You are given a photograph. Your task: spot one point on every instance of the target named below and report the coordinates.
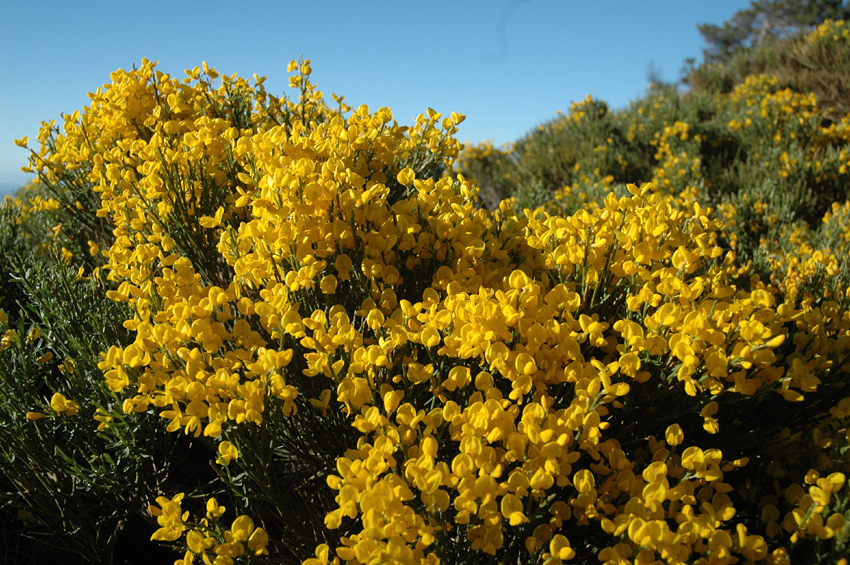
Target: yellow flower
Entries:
(242, 528)
(61, 405)
(258, 541)
(560, 548)
(227, 452)
(322, 551)
(197, 542)
(406, 176)
(328, 284)
(46, 357)
(674, 434)
(214, 509)
(169, 517)
(511, 508)
(9, 337)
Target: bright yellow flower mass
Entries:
(470, 374)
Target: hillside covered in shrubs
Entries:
(247, 328)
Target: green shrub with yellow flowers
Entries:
(243, 328)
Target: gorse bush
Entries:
(767, 153)
(378, 369)
(818, 63)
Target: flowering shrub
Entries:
(766, 155)
(381, 370)
(818, 62)
(487, 167)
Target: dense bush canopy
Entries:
(259, 329)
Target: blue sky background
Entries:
(509, 65)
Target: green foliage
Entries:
(66, 481)
(775, 37)
(820, 63)
(721, 77)
(766, 21)
(490, 168)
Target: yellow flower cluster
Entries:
(830, 30)
(814, 267)
(587, 108)
(281, 257)
(766, 127)
(207, 538)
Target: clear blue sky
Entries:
(509, 65)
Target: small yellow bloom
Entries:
(7, 340)
(776, 341)
(197, 542)
(560, 548)
(406, 176)
(228, 452)
(61, 405)
(343, 267)
(45, 358)
(328, 284)
(674, 435)
(511, 507)
(58, 403)
(258, 541)
(242, 528)
(214, 509)
(322, 552)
